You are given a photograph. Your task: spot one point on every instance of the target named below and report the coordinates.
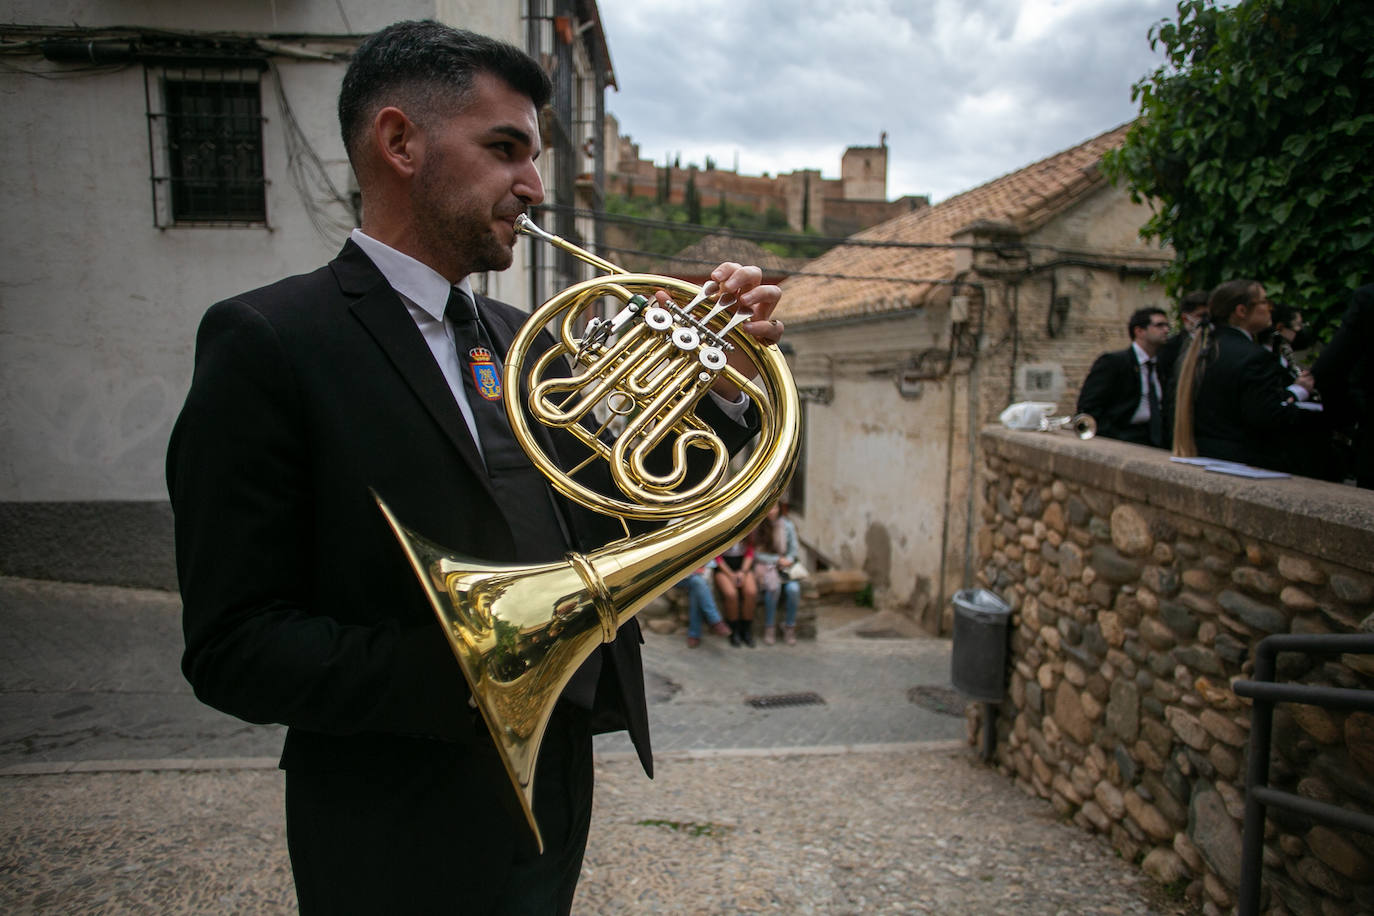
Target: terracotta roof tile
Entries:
(863, 278)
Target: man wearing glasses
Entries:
(1124, 391)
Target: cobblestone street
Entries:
(123, 795)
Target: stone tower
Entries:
(864, 172)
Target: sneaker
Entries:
(693, 641)
(790, 635)
(769, 637)
(720, 628)
(747, 634)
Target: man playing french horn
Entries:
(379, 377)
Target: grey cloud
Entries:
(768, 77)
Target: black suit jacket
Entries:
(1111, 394)
(1166, 360)
(1344, 373)
(1244, 412)
(299, 605)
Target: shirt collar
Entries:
(416, 281)
(1141, 356)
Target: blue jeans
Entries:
(702, 603)
(791, 596)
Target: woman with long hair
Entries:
(1233, 400)
(776, 549)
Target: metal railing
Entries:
(1258, 794)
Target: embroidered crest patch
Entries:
(485, 373)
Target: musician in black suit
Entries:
(1123, 392)
(299, 604)
(1191, 310)
(1234, 399)
(1344, 374)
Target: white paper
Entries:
(1234, 468)
(1244, 470)
(1210, 462)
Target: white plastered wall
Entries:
(98, 306)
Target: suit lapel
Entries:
(380, 310)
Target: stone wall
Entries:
(1139, 588)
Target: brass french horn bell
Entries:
(520, 632)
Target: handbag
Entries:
(796, 572)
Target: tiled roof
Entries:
(1026, 198)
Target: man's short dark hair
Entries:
(425, 67)
(1195, 301)
(1141, 318)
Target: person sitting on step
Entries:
(738, 590)
(776, 552)
(702, 605)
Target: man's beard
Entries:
(455, 227)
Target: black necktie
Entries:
(483, 382)
(523, 493)
(1156, 420)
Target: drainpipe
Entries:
(1015, 295)
(950, 377)
(974, 376)
(952, 380)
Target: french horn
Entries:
(519, 632)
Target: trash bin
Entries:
(979, 662)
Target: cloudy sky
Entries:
(966, 90)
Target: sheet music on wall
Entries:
(1234, 468)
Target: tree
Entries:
(692, 198)
(666, 229)
(1254, 144)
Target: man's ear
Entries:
(397, 141)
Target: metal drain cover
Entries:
(944, 700)
(786, 699)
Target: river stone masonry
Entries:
(1139, 588)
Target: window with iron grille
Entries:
(205, 137)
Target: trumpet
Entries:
(519, 633)
(1083, 425)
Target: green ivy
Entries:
(1255, 147)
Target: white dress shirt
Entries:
(1142, 409)
(425, 294)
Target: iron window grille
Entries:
(205, 141)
